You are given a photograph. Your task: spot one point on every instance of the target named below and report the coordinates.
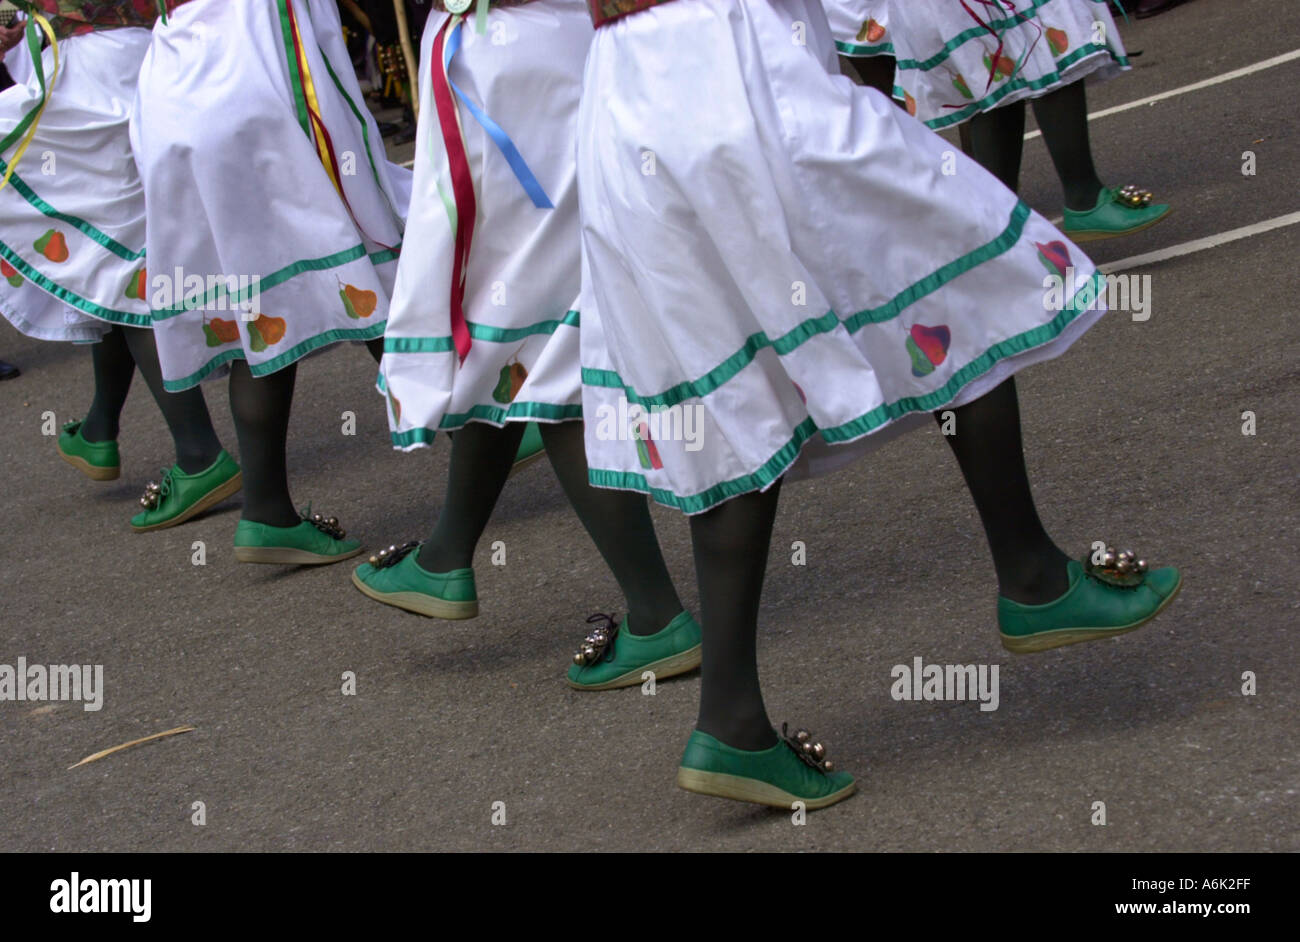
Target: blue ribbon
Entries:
(502, 140)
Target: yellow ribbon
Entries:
(313, 108)
(34, 48)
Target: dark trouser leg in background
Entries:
(261, 408)
(186, 413)
(481, 458)
(1030, 567)
(1063, 117)
(114, 368)
(996, 141)
(619, 523)
(875, 72)
(731, 545)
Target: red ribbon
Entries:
(988, 27)
(462, 185)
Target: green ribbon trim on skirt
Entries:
(779, 463)
(279, 277)
(816, 326)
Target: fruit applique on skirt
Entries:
(52, 245)
(396, 406)
(928, 347)
(1059, 40)
(138, 287)
(219, 331)
(963, 89)
(510, 382)
(265, 332)
(645, 448)
(871, 32)
(1004, 68)
(357, 303)
(1054, 256)
(10, 273)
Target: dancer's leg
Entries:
(1030, 567)
(261, 407)
(481, 457)
(1063, 117)
(619, 524)
(997, 142)
(874, 71)
(114, 368)
(186, 413)
(731, 545)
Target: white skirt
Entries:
(72, 218)
(524, 271)
(18, 62)
(945, 57)
(248, 125)
(860, 27)
(779, 265)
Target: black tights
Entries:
(873, 71)
(987, 444)
(116, 358)
(732, 541)
(260, 407)
(618, 521)
(996, 141)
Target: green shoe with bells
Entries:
(180, 496)
(611, 657)
(317, 541)
(1110, 593)
(99, 461)
(795, 769)
(1119, 211)
(395, 577)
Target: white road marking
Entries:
(1200, 245)
(1194, 87)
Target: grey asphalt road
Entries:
(1135, 436)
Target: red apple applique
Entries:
(10, 273)
(1055, 257)
(928, 347)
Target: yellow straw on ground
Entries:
(134, 742)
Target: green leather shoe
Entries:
(1119, 211)
(395, 577)
(610, 657)
(1114, 596)
(317, 541)
(795, 769)
(98, 461)
(530, 448)
(181, 496)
